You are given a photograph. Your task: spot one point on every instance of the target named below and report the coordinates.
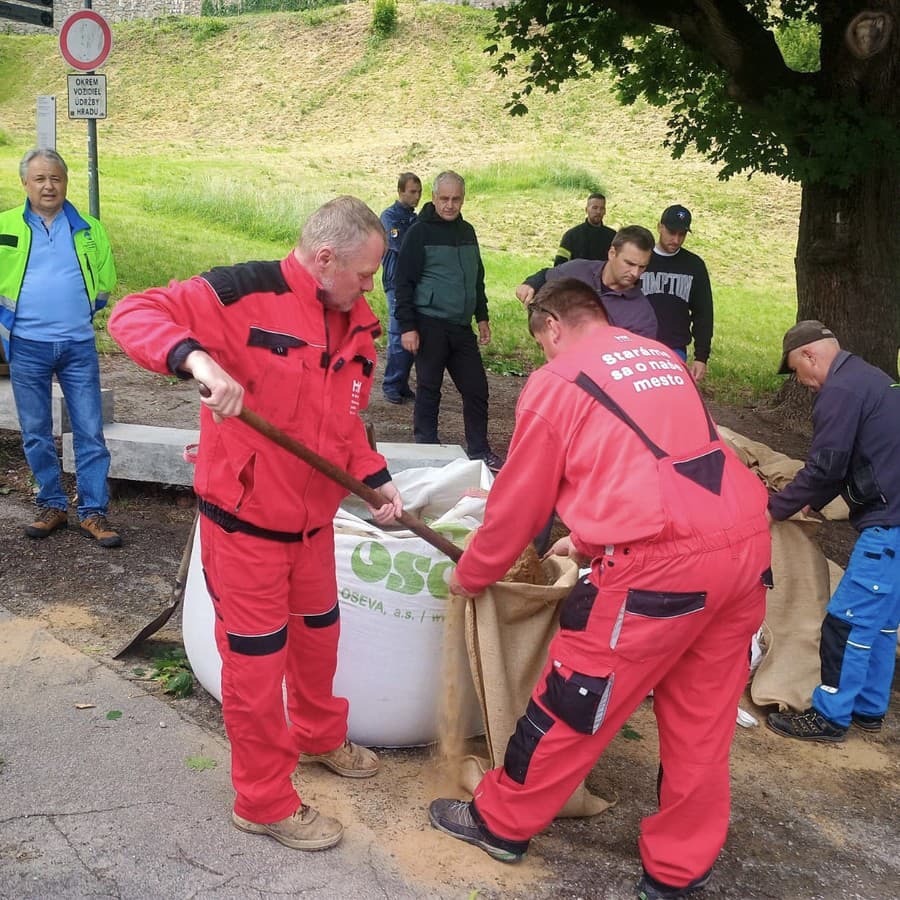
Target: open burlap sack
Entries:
(804, 581)
(776, 469)
(795, 608)
(508, 631)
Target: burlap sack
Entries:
(508, 631)
(775, 469)
(795, 608)
(804, 581)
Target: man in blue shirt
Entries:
(56, 270)
(396, 220)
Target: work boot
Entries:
(349, 760)
(867, 723)
(648, 888)
(306, 829)
(806, 726)
(97, 527)
(48, 520)
(458, 819)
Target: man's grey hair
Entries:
(449, 175)
(41, 153)
(343, 224)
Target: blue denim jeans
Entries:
(32, 365)
(399, 361)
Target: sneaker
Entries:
(867, 723)
(97, 527)
(648, 888)
(494, 461)
(306, 829)
(396, 399)
(456, 818)
(48, 520)
(349, 760)
(806, 726)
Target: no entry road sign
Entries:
(85, 40)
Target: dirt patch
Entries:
(799, 827)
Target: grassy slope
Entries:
(223, 134)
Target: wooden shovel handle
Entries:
(343, 478)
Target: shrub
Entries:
(384, 18)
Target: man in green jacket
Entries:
(56, 271)
(439, 289)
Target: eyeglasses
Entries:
(537, 308)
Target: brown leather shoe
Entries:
(97, 527)
(306, 829)
(48, 520)
(349, 760)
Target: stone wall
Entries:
(122, 10)
(111, 10)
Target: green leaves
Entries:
(172, 671)
(747, 88)
(200, 763)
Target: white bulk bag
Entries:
(392, 587)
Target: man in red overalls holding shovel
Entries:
(614, 435)
(296, 337)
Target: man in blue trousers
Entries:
(396, 220)
(56, 271)
(855, 452)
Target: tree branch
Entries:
(727, 32)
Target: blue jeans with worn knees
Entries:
(859, 634)
(399, 361)
(32, 365)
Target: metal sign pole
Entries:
(93, 182)
(93, 178)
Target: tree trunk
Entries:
(848, 264)
(848, 248)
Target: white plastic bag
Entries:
(392, 587)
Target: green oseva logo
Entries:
(404, 572)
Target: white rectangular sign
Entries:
(87, 96)
(46, 121)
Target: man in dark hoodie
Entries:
(439, 288)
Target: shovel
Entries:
(177, 594)
(326, 467)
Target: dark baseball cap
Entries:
(806, 332)
(676, 218)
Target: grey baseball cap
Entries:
(805, 332)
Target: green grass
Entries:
(224, 133)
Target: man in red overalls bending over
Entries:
(614, 435)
